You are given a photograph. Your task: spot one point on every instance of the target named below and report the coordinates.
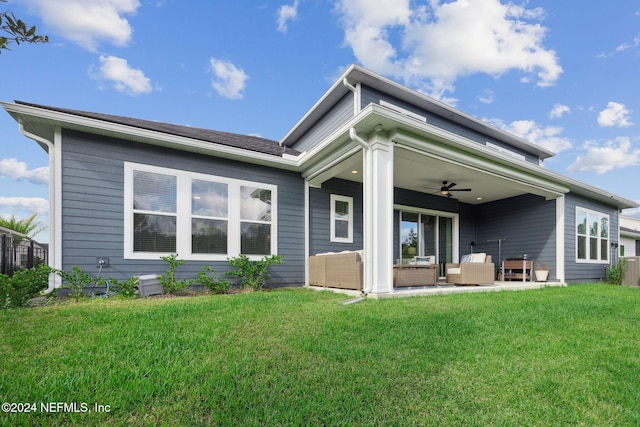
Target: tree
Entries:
(17, 31)
(22, 226)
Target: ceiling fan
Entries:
(447, 188)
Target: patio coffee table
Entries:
(414, 275)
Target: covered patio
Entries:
(401, 163)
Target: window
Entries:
(196, 216)
(341, 219)
(592, 236)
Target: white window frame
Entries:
(455, 249)
(349, 200)
(184, 215)
(600, 216)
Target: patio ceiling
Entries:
(425, 174)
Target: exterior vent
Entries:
(403, 111)
(506, 151)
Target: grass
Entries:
(555, 356)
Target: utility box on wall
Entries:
(150, 285)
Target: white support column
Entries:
(378, 207)
(560, 239)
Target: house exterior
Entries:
(629, 236)
(369, 167)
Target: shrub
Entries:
(75, 281)
(253, 274)
(210, 279)
(171, 284)
(615, 275)
(17, 290)
(5, 291)
(125, 288)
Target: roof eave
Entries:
(41, 122)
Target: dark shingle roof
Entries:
(247, 142)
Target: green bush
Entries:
(169, 280)
(210, 279)
(615, 275)
(5, 291)
(253, 274)
(75, 281)
(125, 288)
(17, 290)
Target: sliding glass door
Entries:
(425, 233)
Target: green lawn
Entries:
(555, 356)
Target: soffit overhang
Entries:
(338, 154)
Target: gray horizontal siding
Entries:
(319, 221)
(583, 272)
(527, 225)
(339, 114)
(93, 205)
(372, 96)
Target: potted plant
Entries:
(542, 271)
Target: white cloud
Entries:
(546, 137)
(287, 13)
(614, 154)
(621, 48)
(558, 111)
(429, 47)
(615, 114)
(228, 80)
(16, 170)
(25, 204)
(88, 22)
(123, 78)
(487, 96)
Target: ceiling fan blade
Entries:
(450, 186)
(460, 189)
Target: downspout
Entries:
(53, 238)
(366, 196)
(356, 94)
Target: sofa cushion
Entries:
(479, 257)
(454, 270)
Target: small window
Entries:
(341, 219)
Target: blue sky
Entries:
(562, 74)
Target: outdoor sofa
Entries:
(474, 269)
(343, 270)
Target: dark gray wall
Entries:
(370, 96)
(319, 223)
(339, 114)
(583, 272)
(527, 225)
(93, 205)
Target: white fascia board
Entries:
(562, 183)
(27, 115)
